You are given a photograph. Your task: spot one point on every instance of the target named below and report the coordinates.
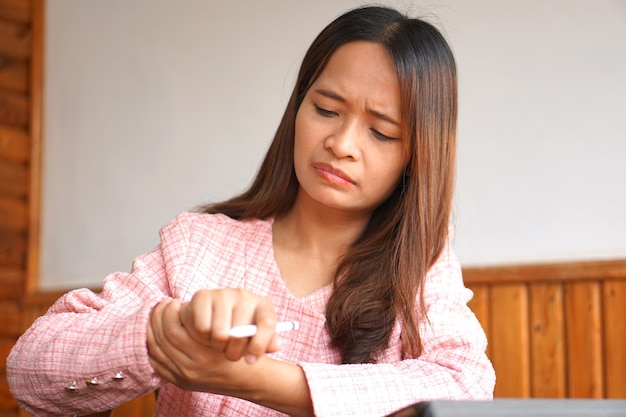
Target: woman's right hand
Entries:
(212, 313)
(189, 345)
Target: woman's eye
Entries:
(382, 136)
(324, 112)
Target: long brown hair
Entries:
(381, 278)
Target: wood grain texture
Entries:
(15, 40)
(14, 144)
(6, 343)
(14, 109)
(584, 340)
(509, 340)
(549, 272)
(13, 214)
(36, 140)
(16, 10)
(547, 323)
(10, 314)
(15, 174)
(11, 279)
(614, 309)
(6, 399)
(13, 178)
(14, 75)
(12, 255)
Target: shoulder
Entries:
(444, 280)
(190, 226)
(446, 270)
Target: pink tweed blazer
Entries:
(88, 352)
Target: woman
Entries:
(345, 230)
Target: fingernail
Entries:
(251, 359)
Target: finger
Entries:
(197, 313)
(243, 313)
(195, 322)
(262, 314)
(155, 339)
(221, 319)
(181, 357)
(176, 344)
(155, 325)
(265, 320)
(173, 330)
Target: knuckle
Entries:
(232, 356)
(187, 374)
(267, 320)
(169, 332)
(200, 295)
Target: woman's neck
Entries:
(319, 230)
(308, 244)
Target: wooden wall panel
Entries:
(11, 279)
(557, 272)
(10, 317)
(14, 144)
(7, 402)
(14, 75)
(584, 340)
(509, 339)
(12, 250)
(14, 109)
(16, 11)
(13, 214)
(548, 378)
(577, 326)
(35, 130)
(19, 110)
(15, 40)
(614, 309)
(14, 178)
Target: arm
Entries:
(453, 364)
(68, 360)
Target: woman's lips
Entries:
(333, 175)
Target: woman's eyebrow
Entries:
(330, 94)
(341, 99)
(383, 116)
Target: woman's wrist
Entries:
(278, 385)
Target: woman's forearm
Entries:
(279, 385)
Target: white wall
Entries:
(154, 106)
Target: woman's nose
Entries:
(344, 141)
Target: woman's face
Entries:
(348, 150)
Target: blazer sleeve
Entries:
(453, 363)
(88, 352)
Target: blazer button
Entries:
(119, 376)
(72, 387)
(93, 382)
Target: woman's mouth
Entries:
(333, 175)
